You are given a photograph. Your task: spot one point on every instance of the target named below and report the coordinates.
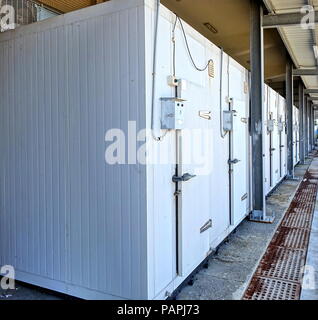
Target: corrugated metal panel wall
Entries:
(66, 215)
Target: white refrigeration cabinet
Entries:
(72, 222)
(282, 116)
(275, 139)
(296, 142)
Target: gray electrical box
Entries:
(270, 125)
(228, 121)
(280, 126)
(172, 113)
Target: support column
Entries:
(311, 146)
(305, 114)
(306, 128)
(301, 123)
(314, 133)
(312, 127)
(257, 106)
(289, 108)
(310, 140)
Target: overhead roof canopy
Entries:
(228, 27)
(299, 41)
(69, 5)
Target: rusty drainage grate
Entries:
(291, 237)
(279, 274)
(297, 221)
(272, 289)
(282, 263)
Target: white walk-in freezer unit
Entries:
(275, 139)
(75, 222)
(282, 116)
(296, 145)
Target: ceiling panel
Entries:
(69, 5)
(279, 6)
(299, 41)
(301, 44)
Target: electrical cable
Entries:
(223, 135)
(188, 48)
(174, 62)
(174, 46)
(154, 74)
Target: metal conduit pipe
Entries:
(222, 133)
(154, 73)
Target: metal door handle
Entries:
(186, 177)
(207, 226)
(273, 149)
(235, 161)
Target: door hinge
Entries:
(246, 87)
(206, 227)
(178, 193)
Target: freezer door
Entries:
(238, 162)
(194, 174)
(240, 196)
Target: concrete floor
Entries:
(229, 271)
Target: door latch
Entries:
(186, 177)
(235, 161)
